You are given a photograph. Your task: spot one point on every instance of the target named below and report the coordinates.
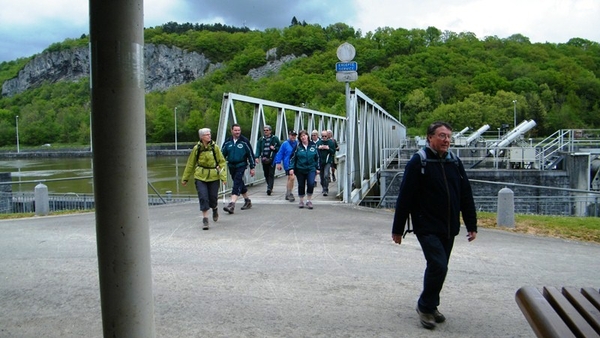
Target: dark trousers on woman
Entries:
(269, 171)
(306, 183)
(437, 249)
(208, 194)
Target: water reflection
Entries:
(164, 173)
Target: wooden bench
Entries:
(552, 313)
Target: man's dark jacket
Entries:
(434, 195)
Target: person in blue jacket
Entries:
(305, 165)
(282, 160)
(239, 155)
(435, 191)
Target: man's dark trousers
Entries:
(437, 249)
(269, 171)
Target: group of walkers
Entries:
(434, 196)
(302, 157)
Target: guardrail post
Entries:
(506, 208)
(42, 201)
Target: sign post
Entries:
(346, 71)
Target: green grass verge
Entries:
(585, 229)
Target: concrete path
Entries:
(279, 271)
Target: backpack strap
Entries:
(450, 157)
(423, 156)
(408, 227)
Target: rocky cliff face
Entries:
(165, 67)
(69, 65)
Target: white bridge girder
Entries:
(362, 134)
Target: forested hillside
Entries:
(430, 74)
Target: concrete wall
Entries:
(486, 193)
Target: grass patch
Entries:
(585, 229)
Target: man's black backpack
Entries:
(421, 152)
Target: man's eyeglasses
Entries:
(267, 130)
(323, 136)
(443, 136)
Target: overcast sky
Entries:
(27, 27)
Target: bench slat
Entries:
(542, 318)
(592, 295)
(589, 312)
(568, 313)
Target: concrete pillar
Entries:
(42, 201)
(506, 208)
(578, 166)
(120, 170)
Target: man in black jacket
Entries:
(267, 148)
(435, 190)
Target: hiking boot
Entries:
(215, 214)
(301, 205)
(247, 204)
(205, 223)
(290, 197)
(309, 205)
(269, 192)
(438, 316)
(426, 319)
(325, 193)
(230, 207)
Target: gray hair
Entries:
(203, 131)
(268, 127)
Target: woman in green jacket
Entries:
(207, 166)
(305, 165)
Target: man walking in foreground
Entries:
(435, 191)
(238, 152)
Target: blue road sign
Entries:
(346, 66)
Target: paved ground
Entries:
(279, 271)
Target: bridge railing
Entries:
(361, 134)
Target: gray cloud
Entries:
(270, 13)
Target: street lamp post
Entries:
(515, 113)
(400, 111)
(175, 118)
(17, 119)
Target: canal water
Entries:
(74, 175)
